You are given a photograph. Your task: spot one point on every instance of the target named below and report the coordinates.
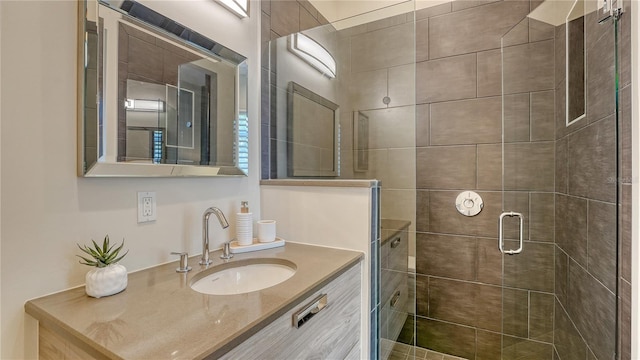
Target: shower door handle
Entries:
(501, 237)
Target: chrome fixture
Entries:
(226, 251)
(310, 310)
(501, 237)
(469, 203)
(608, 9)
(184, 267)
(144, 105)
(313, 53)
(205, 231)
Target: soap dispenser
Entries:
(244, 225)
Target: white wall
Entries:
(345, 14)
(0, 180)
(338, 217)
(45, 209)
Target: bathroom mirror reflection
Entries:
(168, 100)
(305, 105)
(312, 133)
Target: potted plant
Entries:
(108, 277)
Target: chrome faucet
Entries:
(205, 231)
(226, 251)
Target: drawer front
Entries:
(394, 291)
(332, 333)
(399, 252)
(390, 281)
(393, 313)
(397, 311)
(393, 265)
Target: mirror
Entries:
(312, 136)
(157, 98)
(575, 63)
(304, 118)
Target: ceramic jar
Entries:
(106, 281)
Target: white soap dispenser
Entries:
(244, 225)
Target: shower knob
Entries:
(469, 203)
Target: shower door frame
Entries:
(567, 282)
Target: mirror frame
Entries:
(89, 45)
(296, 89)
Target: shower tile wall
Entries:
(278, 19)
(377, 81)
(143, 57)
(624, 220)
(586, 204)
(568, 206)
(458, 138)
(380, 79)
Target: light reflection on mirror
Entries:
(575, 63)
(170, 102)
(313, 53)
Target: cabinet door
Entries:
(331, 333)
(394, 294)
(53, 345)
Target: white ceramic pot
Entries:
(106, 281)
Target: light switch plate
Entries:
(146, 206)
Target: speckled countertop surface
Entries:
(159, 316)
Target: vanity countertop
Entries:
(159, 316)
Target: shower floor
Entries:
(400, 351)
(403, 348)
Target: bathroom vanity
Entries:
(159, 315)
(394, 291)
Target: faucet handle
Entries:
(184, 267)
(226, 251)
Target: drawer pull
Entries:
(395, 242)
(310, 310)
(394, 299)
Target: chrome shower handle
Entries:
(501, 237)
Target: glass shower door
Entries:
(558, 227)
(526, 235)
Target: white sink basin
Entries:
(243, 276)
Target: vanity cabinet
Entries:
(52, 345)
(159, 315)
(331, 333)
(394, 291)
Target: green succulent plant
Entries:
(103, 255)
